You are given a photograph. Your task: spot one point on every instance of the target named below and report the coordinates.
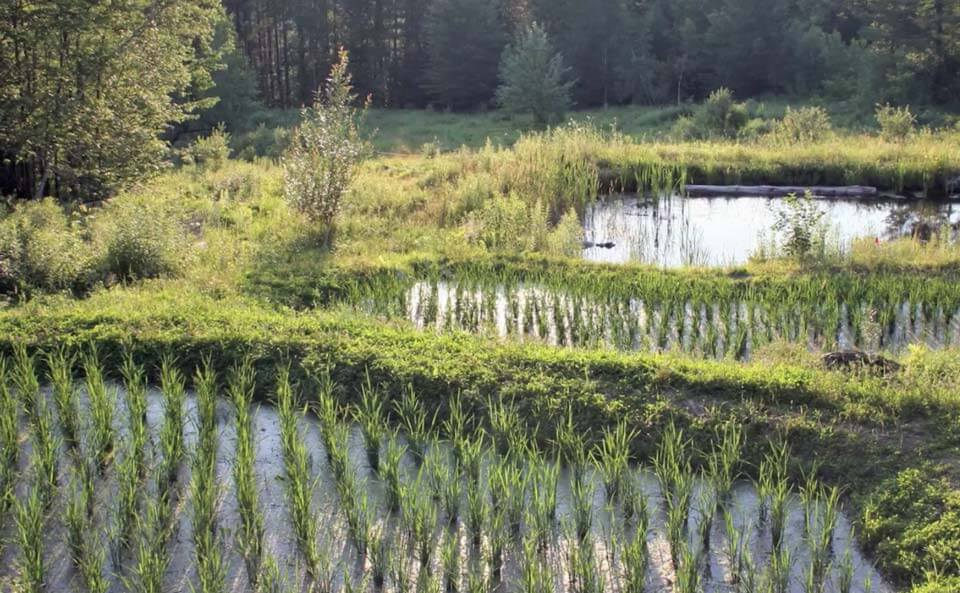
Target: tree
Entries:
(464, 41)
(324, 152)
(87, 89)
(533, 78)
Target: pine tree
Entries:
(533, 78)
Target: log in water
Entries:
(778, 191)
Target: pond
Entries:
(676, 231)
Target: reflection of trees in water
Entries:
(922, 220)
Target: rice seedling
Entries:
(634, 500)
(415, 424)
(688, 572)
(507, 483)
(205, 492)
(450, 562)
(612, 458)
(477, 582)
(476, 512)
(298, 485)
(135, 388)
(427, 582)
(535, 576)
(471, 457)
(778, 571)
(24, 378)
(498, 539)
(584, 571)
(581, 493)
(46, 446)
(65, 396)
(723, 461)
(846, 569)
(707, 507)
(455, 426)
(400, 572)
(269, 579)
(327, 410)
(250, 534)
(636, 559)
(736, 548)
(452, 494)
(360, 517)
(773, 471)
(102, 406)
(91, 568)
(171, 431)
(505, 426)
(152, 557)
(75, 520)
(380, 558)
(821, 540)
(128, 495)
(370, 416)
(543, 496)
(419, 518)
(30, 525)
(390, 472)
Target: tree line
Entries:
(445, 53)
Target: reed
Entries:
(30, 528)
(102, 405)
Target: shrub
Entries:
(41, 250)
(719, 117)
(325, 151)
(141, 237)
(209, 152)
(807, 124)
(263, 141)
(912, 525)
(799, 222)
(896, 123)
(533, 78)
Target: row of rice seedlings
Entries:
(250, 534)
(46, 451)
(24, 379)
(204, 488)
(152, 558)
(9, 441)
(65, 395)
(372, 420)
(299, 485)
(102, 402)
(714, 325)
(774, 490)
(135, 389)
(30, 529)
(88, 554)
(612, 458)
(673, 471)
(635, 557)
(419, 518)
(172, 446)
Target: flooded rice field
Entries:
(485, 516)
(708, 327)
(675, 231)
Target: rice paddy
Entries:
(212, 491)
(657, 313)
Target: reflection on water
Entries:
(676, 231)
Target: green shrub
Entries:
(897, 124)
(41, 250)
(912, 525)
(322, 158)
(719, 117)
(807, 124)
(209, 152)
(141, 238)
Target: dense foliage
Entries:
(87, 89)
(414, 52)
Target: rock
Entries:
(849, 359)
